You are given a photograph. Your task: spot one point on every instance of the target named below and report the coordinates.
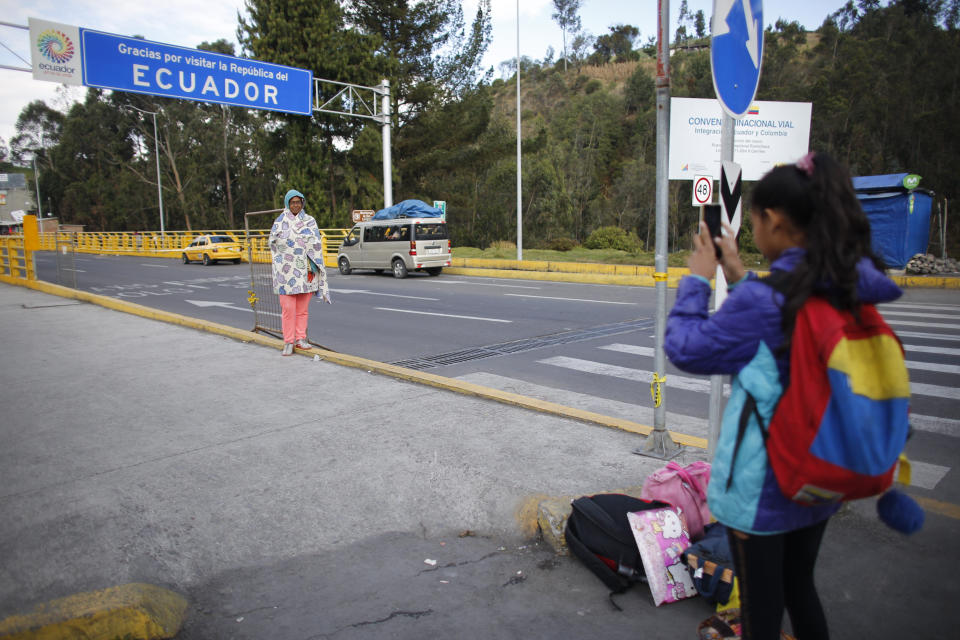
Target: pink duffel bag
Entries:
(684, 487)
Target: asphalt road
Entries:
(588, 346)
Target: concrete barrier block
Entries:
(141, 611)
(552, 514)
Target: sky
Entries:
(187, 23)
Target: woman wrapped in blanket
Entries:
(298, 271)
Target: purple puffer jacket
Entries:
(742, 339)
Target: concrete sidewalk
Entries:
(293, 498)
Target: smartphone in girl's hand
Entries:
(711, 215)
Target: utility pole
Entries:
(519, 163)
(660, 444)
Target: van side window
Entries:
(373, 234)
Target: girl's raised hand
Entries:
(703, 259)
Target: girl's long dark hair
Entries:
(823, 205)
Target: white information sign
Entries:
(771, 133)
(55, 52)
(702, 190)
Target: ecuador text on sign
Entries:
(141, 66)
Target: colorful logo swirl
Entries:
(55, 45)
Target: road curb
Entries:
(135, 610)
(373, 366)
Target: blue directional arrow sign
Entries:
(736, 52)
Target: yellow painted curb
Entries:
(136, 610)
(411, 375)
(927, 282)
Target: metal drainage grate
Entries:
(526, 344)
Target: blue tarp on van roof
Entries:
(408, 209)
(891, 181)
(899, 217)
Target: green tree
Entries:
(309, 34)
(618, 44)
(566, 15)
(423, 48)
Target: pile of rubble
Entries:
(927, 263)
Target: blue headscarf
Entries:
(290, 194)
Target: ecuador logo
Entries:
(55, 46)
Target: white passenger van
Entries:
(399, 244)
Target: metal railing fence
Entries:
(171, 244)
(15, 260)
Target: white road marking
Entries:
(480, 284)
(926, 475)
(632, 349)
(443, 315)
(933, 390)
(928, 336)
(76, 270)
(932, 325)
(916, 348)
(701, 385)
(159, 266)
(932, 366)
(184, 284)
(523, 295)
(914, 314)
(375, 293)
(907, 305)
(208, 303)
(934, 424)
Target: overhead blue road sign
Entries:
(141, 66)
(736, 52)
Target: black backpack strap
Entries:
(749, 407)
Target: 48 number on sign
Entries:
(702, 190)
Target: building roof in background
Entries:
(13, 181)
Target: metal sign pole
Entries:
(659, 444)
(387, 161)
(720, 293)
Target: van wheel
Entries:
(206, 260)
(185, 259)
(399, 269)
(434, 271)
(344, 265)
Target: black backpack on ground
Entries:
(598, 533)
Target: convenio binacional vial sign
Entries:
(140, 66)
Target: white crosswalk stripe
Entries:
(702, 385)
(913, 323)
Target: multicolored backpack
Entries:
(841, 424)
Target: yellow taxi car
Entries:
(210, 249)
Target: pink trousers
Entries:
(294, 315)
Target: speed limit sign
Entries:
(702, 190)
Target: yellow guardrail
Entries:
(15, 260)
(170, 244)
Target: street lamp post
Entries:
(36, 182)
(156, 148)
